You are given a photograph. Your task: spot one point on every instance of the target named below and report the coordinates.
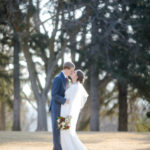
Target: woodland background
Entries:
(108, 39)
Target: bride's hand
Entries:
(67, 101)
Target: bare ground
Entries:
(92, 140)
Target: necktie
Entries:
(66, 82)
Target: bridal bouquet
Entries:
(63, 123)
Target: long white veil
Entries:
(78, 98)
(84, 96)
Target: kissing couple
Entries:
(66, 104)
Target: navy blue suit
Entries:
(58, 93)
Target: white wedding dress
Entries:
(77, 96)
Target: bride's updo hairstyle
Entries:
(80, 75)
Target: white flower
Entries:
(63, 123)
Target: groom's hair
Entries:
(68, 65)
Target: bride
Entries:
(77, 95)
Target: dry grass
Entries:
(92, 140)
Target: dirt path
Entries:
(92, 140)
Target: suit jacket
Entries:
(58, 93)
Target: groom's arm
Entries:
(55, 91)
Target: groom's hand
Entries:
(67, 101)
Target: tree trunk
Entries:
(94, 97)
(16, 104)
(40, 98)
(94, 88)
(123, 106)
(42, 116)
(84, 118)
(2, 115)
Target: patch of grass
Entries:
(92, 140)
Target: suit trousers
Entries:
(55, 131)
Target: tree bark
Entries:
(2, 115)
(123, 106)
(16, 104)
(94, 97)
(94, 72)
(84, 118)
(42, 115)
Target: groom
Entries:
(59, 86)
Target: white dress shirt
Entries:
(64, 74)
